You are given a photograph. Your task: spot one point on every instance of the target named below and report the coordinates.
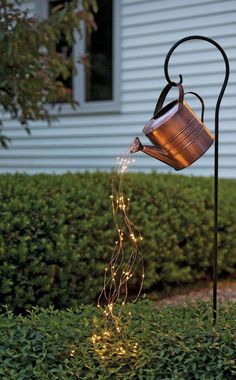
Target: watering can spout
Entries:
(154, 151)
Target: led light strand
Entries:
(122, 266)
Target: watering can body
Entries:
(178, 136)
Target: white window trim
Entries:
(88, 107)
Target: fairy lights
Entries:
(126, 263)
(106, 349)
(126, 260)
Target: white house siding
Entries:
(148, 28)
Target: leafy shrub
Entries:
(169, 344)
(57, 233)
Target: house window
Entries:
(96, 88)
(63, 48)
(99, 47)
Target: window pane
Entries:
(63, 48)
(99, 47)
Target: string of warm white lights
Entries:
(126, 259)
(126, 262)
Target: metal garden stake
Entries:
(180, 138)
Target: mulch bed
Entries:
(226, 292)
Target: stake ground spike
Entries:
(215, 247)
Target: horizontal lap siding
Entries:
(148, 29)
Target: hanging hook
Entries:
(199, 37)
(215, 247)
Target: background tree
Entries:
(32, 71)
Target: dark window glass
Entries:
(63, 48)
(99, 47)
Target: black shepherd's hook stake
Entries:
(215, 247)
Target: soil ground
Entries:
(203, 291)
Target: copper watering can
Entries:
(179, 137)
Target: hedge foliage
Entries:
(57, 233)
(170, 344)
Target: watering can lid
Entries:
(155, 123)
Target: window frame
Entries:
(92, 106)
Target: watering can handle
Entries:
(164, 93)
(202, 102)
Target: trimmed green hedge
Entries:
(56, 233)
(170, 344)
